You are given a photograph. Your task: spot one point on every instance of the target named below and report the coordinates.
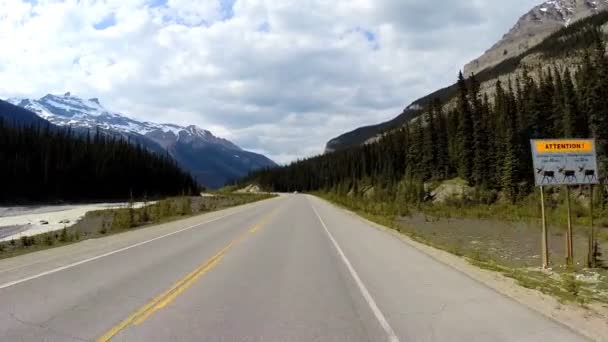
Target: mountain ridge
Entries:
(532, 28)
(185, 144)
(542, 52)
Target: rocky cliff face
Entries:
(533, 27)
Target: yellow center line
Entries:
(163, 299)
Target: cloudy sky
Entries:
(280, 77)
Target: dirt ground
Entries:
(513, 244)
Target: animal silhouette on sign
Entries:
(548, 176)
(569, 175)
(588, 174)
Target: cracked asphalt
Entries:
(293, 268)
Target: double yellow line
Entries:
(163, 299)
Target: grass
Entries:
(562, 282)
(113, 221)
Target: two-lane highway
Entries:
(293, 268)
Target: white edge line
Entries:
(392, 337)
(58, 269)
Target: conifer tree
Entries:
(465, 128)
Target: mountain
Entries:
(368, 133)
(533, 28)
(44, 163)
(17, 116)
(474, 137)
(574, 30)
(213, 161)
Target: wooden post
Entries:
(591, 253)
(569, 251)
(544, 242)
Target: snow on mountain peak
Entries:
(568, 11)
(533, 27)
(69, 110)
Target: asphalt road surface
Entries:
(293, 268)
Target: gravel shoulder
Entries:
(590, 320)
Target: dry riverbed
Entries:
(28, 229)
(16, 222)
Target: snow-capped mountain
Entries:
(533, 27)
(212, 160)
(68, 110)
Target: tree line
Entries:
(484, 141)
(39, 163)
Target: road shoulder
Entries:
(591, 322)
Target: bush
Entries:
(64, 235)
(122, 219)
(570, 284)
(27, 241)
(48, 239)
(186, 206)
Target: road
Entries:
(292, 268)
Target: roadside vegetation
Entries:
(106, 222)
(509, 246)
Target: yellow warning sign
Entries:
(564, 146)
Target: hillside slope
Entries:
(533, 27)
(564, 47)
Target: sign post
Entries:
(563, 162)
(569, 252)
(544, 242)
(591, 261)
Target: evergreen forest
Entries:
(481, 139)
(44, 163)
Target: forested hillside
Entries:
(484, 141)
(44, 164)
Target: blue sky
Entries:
(276, 77)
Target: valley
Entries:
(478, 213)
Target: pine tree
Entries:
(479, 115)
(442, 144)
(575, 122)
(429, 148)
(558, 106)
(465, 128)
(511, 169)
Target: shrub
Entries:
(64, 235)
(186, 206)
(27, 241)
(48, 239)
(570, 284)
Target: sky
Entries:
(278, 77)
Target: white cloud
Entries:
(278, 77)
